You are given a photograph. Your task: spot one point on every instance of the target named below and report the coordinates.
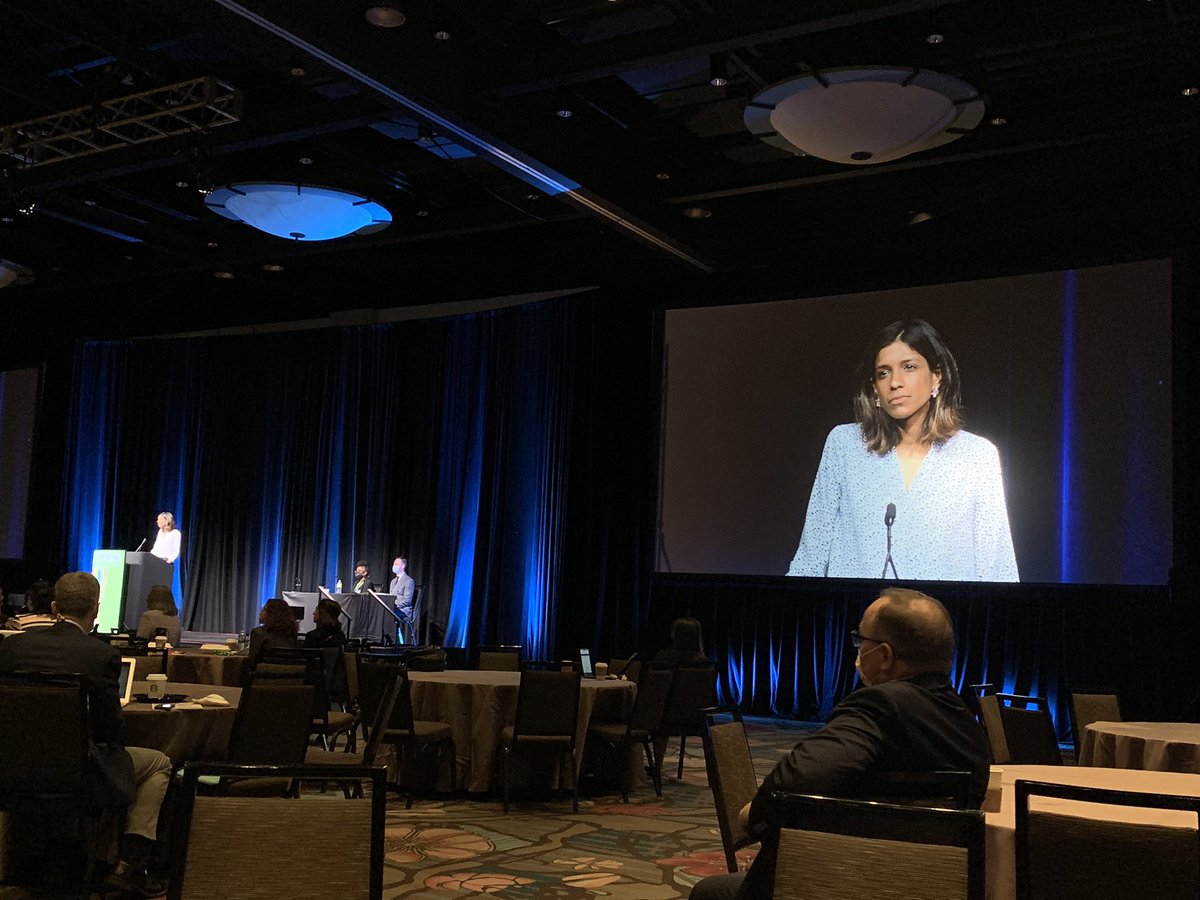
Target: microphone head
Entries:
(890, 515)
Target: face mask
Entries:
(396, 569)
(862, 676)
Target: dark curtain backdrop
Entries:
(289, 456)
(512, 457)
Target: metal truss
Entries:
(183, 108)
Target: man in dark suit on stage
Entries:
(906, 718)
(130, 776)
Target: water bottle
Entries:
(243, 639)
(338, 586)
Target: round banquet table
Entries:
(479, 704)
(1001, 825)
(1152, 746)
(204, 667)
(183, 733)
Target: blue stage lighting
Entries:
(301, 212)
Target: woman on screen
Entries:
(907, 450)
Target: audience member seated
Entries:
(328, 632)
(160, 613)
(686, 646)
(278, 630)
(39, 601)
(129, 775)
(905, 718)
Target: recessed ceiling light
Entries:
(697, 212)
(272, 267)
(1191, 91)
(919, 217)
(422, 213)
(7, 220)
(89, 202)
(442, 35)
(663, 176)
(999, 120)
(383, 14)
(212, 245)
(225, 275)
(181, 184)
(305, 161)
(204, 191)
(564, 114)
(296, 68)
(718, 81)
(27, 209)
(935, 38)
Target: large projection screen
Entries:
(1066, 374)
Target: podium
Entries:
(125, 580)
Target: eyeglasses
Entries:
(856, 638)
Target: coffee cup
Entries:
(601, 670)
(160, 643)
(156, 686)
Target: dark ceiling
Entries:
(452, 122)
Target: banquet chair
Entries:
(644, 721)
(730, 775)
(1065, 856)
(1088, 707)
(694, 688)
(383, 688)
(412, 628)
(500, 658)
(45, 771)
(265, 848)
(271, 729)
(989, 717)
(835, 849)
(311, 666)
(1028, 731)
(547, 717)
(413, 738)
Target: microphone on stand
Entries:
(141, 545)
(889, 516)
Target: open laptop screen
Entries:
(128, 664)
(585, 662)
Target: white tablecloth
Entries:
(1153, 746)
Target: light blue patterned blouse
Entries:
(951, 524)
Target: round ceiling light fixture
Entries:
(384, 15)
(864, 114)
(14, 274)
(302, 212)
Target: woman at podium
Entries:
(167, 542)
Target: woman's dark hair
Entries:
(277, 618)
(161, 598)
(38, 597)
(685, 638)
(943, 417)
(329, 614)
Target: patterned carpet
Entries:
(646, 849)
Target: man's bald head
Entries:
(917, 627)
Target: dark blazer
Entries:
(64, 649)
(262, 640)
(915, 725)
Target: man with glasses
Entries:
(905, 718)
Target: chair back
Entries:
(693, 690)
(651, 700)
(272, 724)
(402, 718)
(547, 706)
(500, 658)
(394, 682)
(227, 839)
(943, 789)
(1028, 731)
(848, 849)
(298, 666)
(730, 775)
(989, 718)
(1064, 856)
(1089, 707)
(44, 723)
